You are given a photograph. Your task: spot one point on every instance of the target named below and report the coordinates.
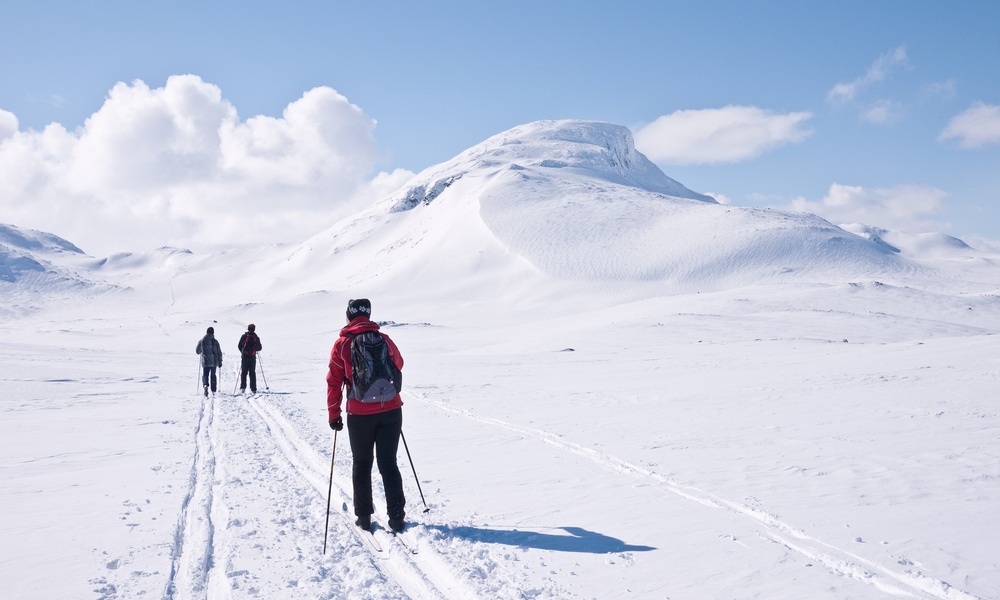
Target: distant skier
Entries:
(249, 346)
(374, 414)
(211, 358)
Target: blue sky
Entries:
(886, 112)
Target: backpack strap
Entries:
(349, 378)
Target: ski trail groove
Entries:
(843, 562)
(423, 575)
(194, 563)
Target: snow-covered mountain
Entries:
(30, 256)
(573, 201)
(38, 267)
(603, 151)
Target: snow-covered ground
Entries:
(609, 393)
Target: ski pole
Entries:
(236, 384)
(407, 448)
(329, 492)
(197, 378)
(264, 377)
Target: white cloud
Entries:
(940, 89)
(882, 112)
(719, 135)
(176, 166)
(8, 124)
(846, 92)
(907, 208)
(975, 127)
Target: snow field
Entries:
(680, 447)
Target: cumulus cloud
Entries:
(8, 124)
(907, 208)
(975, 127)
(177, 166)
(880, 69)
(721, 135)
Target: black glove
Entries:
(337, 424)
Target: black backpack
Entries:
(374, 377)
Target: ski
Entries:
(368, 539)
(406, 542)
(367, 536)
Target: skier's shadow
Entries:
(577, 540)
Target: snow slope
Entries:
(30, 257)
(647, 397)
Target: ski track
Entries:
(423, 575)
(843, 562)
(195, 561)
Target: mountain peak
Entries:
(602, 150)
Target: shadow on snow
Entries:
(578, 540)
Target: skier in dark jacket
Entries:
(211, 358)
(372, 427)
(249, 346)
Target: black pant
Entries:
(208, 374)
(249, 366)
(370, 433)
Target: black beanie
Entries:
(211, 330)
(356, 308)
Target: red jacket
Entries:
(341, 367)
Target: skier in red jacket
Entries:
(373, 428)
